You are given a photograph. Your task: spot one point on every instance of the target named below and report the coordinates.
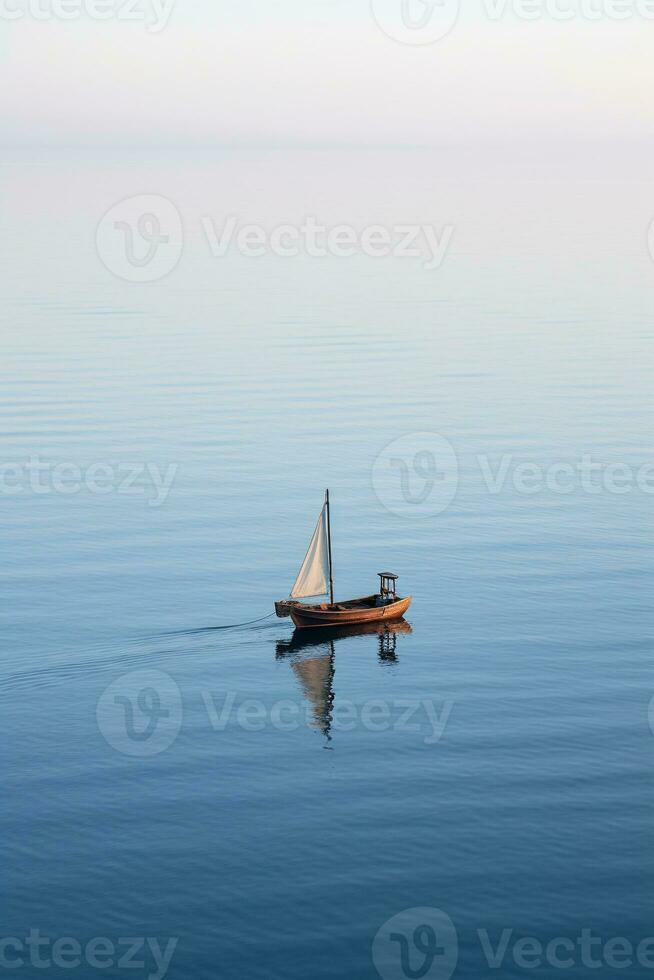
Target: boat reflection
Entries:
(311, 654)
(305, 639)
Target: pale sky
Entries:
(289, 72)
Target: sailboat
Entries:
(316, 578)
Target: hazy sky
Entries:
(324, 71)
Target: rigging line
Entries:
(210, 629)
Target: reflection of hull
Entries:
(364, 610)
(306, 638)
(312, 657)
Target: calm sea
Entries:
(268, 804)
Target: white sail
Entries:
(313, 577)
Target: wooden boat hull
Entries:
(344, 614)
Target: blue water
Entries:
(277, 840)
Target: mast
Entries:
(329, 548)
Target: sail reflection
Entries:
(311, 653)
(316, 677)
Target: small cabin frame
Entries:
(387, 586)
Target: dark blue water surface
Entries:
(271, 803)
